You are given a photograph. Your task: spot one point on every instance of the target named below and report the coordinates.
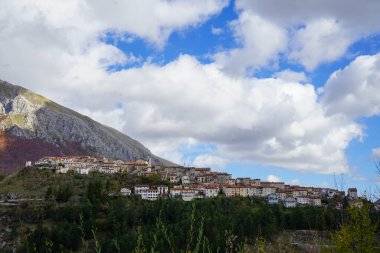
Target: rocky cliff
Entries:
(32, 126)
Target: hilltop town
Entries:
(191, 183)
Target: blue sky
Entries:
(249, 87)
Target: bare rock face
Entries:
(40, 127)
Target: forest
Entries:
(80, 213)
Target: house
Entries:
(236, 190)
(243, 181)
(253, 191)
(315, 201)
(289, 202)
(283, 194)
(299, 192)
(222, 178)
(174, 178)
(211, 191)
(200, 179)
(125, 191)
(185, 180)
(188, 194)
(163, 190)
(352, 193)
(356, 202)
(272, 198)
(62, 170)
(302, 200)
(175, 192)
(265, 191)
(376, 204)
(329, 193)
(256, 182)
(139, 188)
(149, 194)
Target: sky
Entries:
(278, 90)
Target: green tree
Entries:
(358, 234)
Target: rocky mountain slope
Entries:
(32, 126)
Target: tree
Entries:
(358, 234)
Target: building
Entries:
(211, 191)
(272, 198)
(302, 200)
(352, 193)
(315, 201)
(235, 190)
(125, 191)
(149, 194)
(139, 188)
(185, 180)
(163, 190)
(376, 204)
(267, 190)
(289, 202)
(175, 192)
(188, 194)
(174, 178)
(223, 178)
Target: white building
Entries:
(289, 202)
(267, 190)
(125, 192)
(253, 191)
(185, 180)
(175, 192)
(139, 188)
(302, 200)
(149, 194)
(272, 198)
(315, 201)
(62, 170)
(188, 194)
(352, 193)
(163, 190)
(174, 179)
(211, 192)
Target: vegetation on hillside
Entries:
(84, 213)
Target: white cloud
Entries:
(354, 91)
(306, 32)
(55, 50)
(211, 161)
(295, 182)
(74, 21)
(322, 40)
(273, 178)
(290, 75)
(260, 40)
(271, 121)
(376, 153)
(216, 30)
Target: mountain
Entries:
(32, 126)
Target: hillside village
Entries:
(191, 183)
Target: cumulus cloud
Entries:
(272, 121)
(210, 161)
(290, 75)
(295, 182)
(261, 41)
(376, 153)
(306, 32)
(273, 178)
(216, 30)
(277, 121)
(354, 91)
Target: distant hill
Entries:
(32, 126)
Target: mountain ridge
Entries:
(27, 117)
